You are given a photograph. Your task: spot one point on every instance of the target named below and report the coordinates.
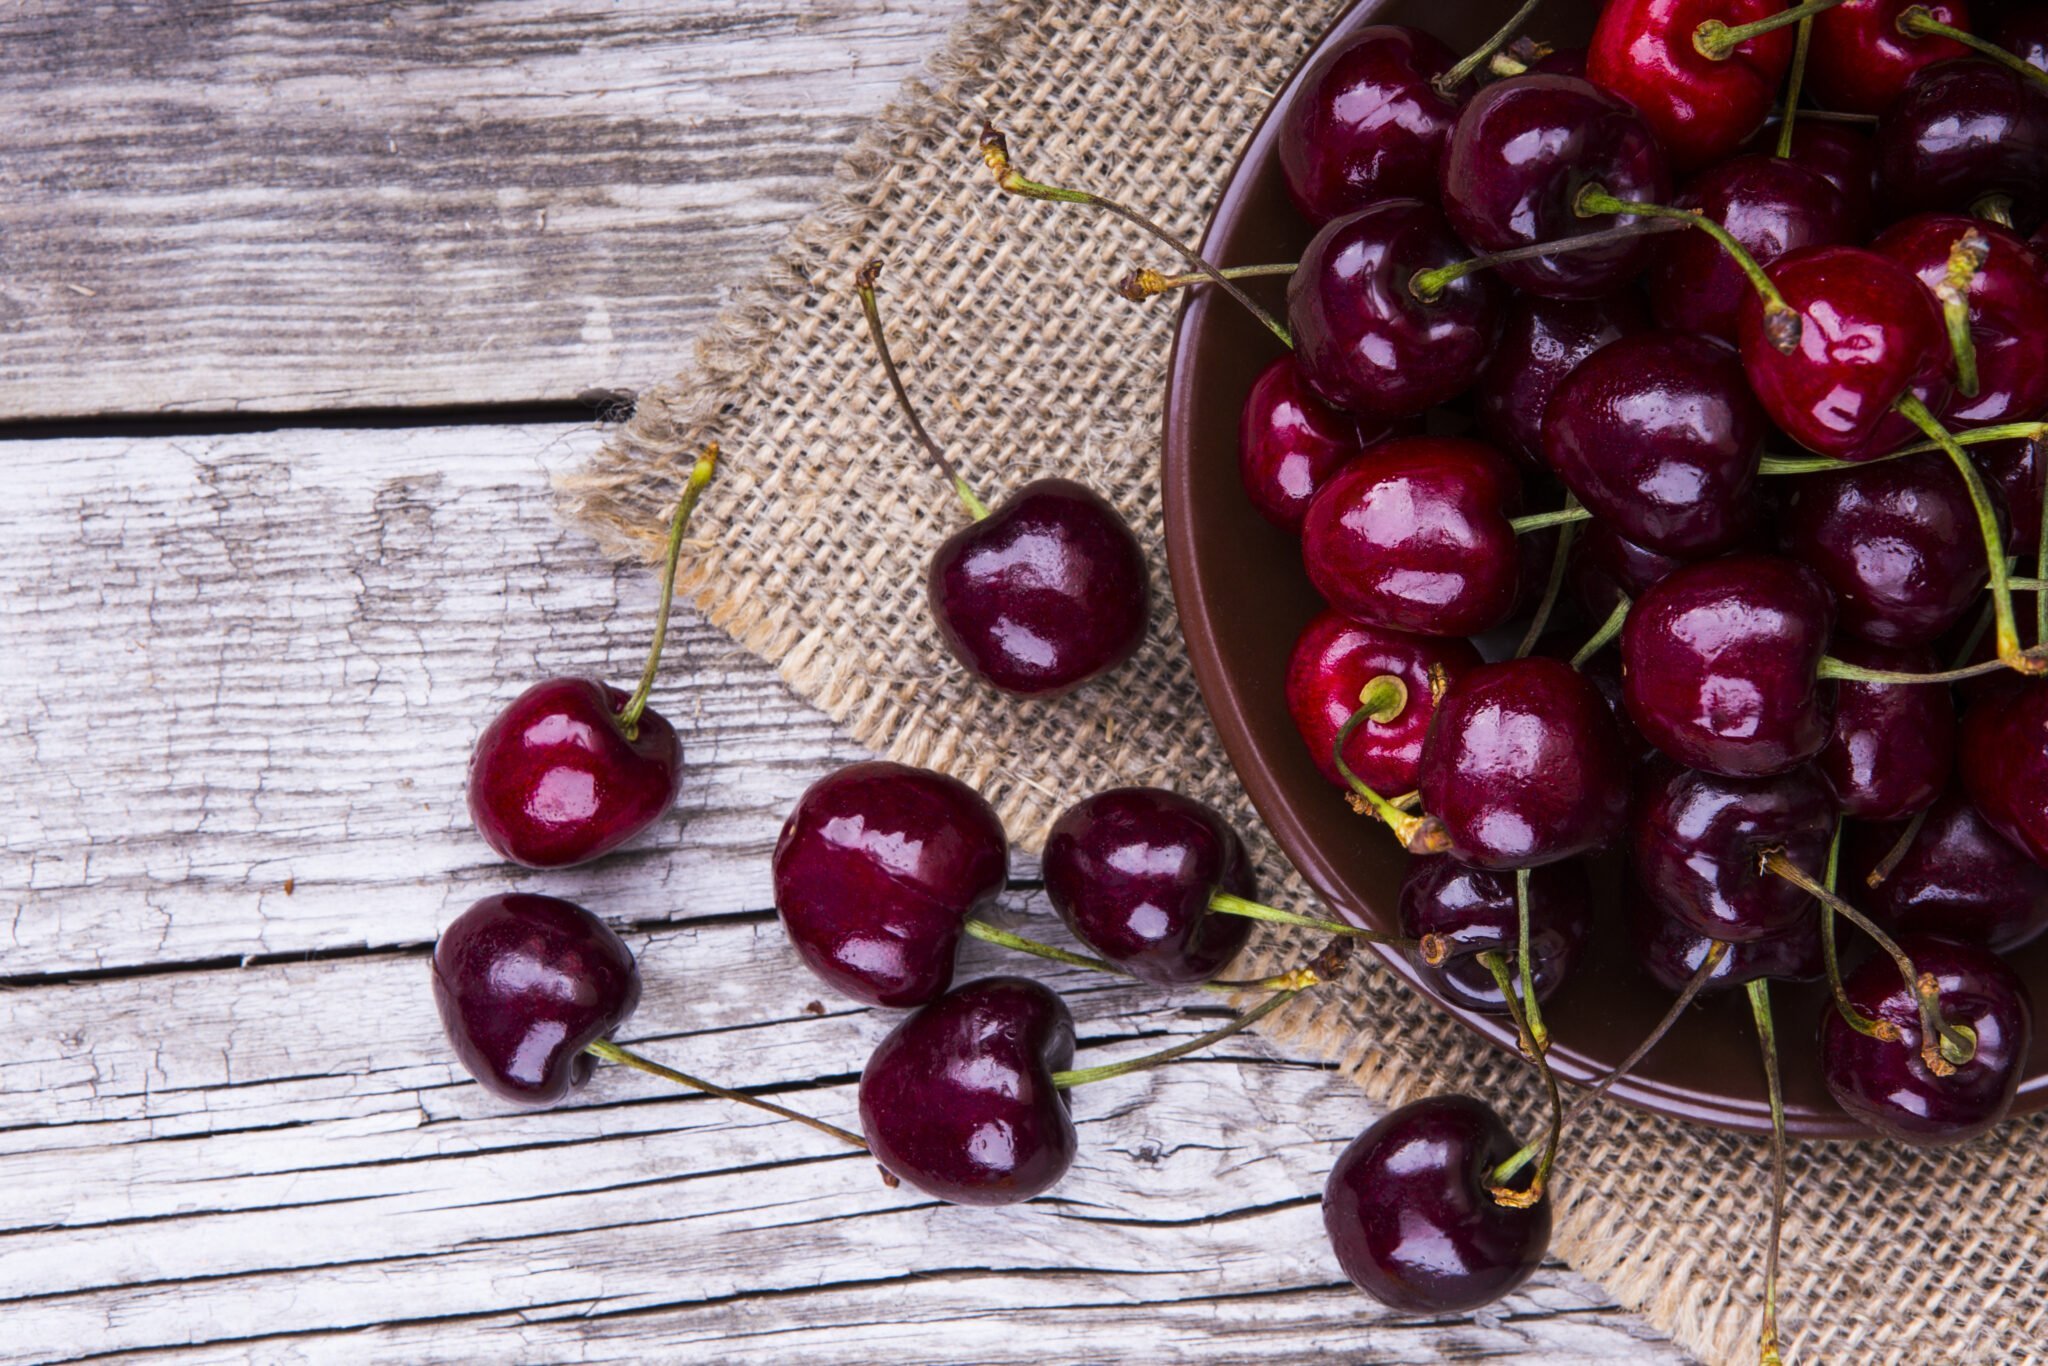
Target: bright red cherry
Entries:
(1540, 343)
(2004, 764)
(2007, 311)
(1290, 442)
(1771, 205)
(1696, 839)
(1966, 134)
(1473, 911)
(1861, 59)
(1894, 744)
(1367, 123)
(1332, 662)
(1702, 107)
(1958, 878)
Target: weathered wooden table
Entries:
(244, 657)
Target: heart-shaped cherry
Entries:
(1671, 951)
(1040, 594)
(1696, 842)
(1771, 205)
(1367, 123)
(573, 768)
(1894, 744)
(1473, 911)
(1333, 661)
(1702, 96)
(1956, 877)
(2003, 305)
(1540, 342)
(2004, 765)
(875, 872)
(959, 1099)
(1290, 443)
(1839, 152)
(1964, 135)
(1861, 59)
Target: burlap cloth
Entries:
(811, 550)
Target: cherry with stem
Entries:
(1428, 285)
(864, 283)
(1146, 283)
(1767, 1040)
(1965, 258)
(1524, 962)
(1504, 1194)
(1794, 79)
(1821, 464)
(1781, 321)
(1382, 699)
(1917, 21)
(1482, 55)
(1553, 585)
(1717, 41)
(1601, 638)
(1882, 1030)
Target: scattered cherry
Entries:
(1696, 840)
(1367, 123)
(1473, 911)
(1333, 661)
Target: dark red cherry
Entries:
(1604, 566)
(2004, 762)
(2016, 469)
(1896, 541)
(1888, 1087)
(1659, 436)
(1046, 592)
(1131, 872)
(1861, 59)
(1696, 841)
(1290, 442)
(1841, 153)
(875, 871)
(555, 781)
(1415, 536)
(2008, 310)
(1366, 341)
(1701, 108)
(1671, 951)
(1603, 671)
(1333, 660)
(1473, 910)
(1964, 132)
(1959, 878)
(523, 984)
(1894, 744)
(1413, 1220)
(1367, 123)
(1721, 661)
(1539, 344)
(1523, 765)
(958, 1100)
(1867, 335)
(1771, 205)
(1514, 166)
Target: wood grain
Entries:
(242, 677)
(316, 204)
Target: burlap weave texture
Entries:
(811, 550)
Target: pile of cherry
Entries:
(1626, 285)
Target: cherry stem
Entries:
(1942, 1047)
(1537, 521)
(1524, 961)
(1418, 834)
(1882, 1030)
(1995, 208)
(995, 151)
(1767, 1040)
(1553, 585)
(1820, 464)
(2041, 568)
(1609, 629)
(1965, 258)
(1894, 856)
(1146, 283)
(700, 475)
(1450, 80)
(1533, 1192)
(1842, 671)
(1427, 285)
(864, 281)
(990, 934)
(1432, 947)
(1917, 21)
(1781, 320)
(2007, 628)
(1717, 42)
(1794, 79)
(611, 1052)
(1084, 1075)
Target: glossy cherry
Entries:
(1514, 166)
(2007, 302)
(1131, 872)
(1473, 911)
(1290, 443)
(1721, 661)
(1605, 566)
(1696, 840)
(1861, 59)
(1964, 133)
(1415, 535)
(1887, 1086)
(1894, 744)
(2004, 765)
(1771, 205)
(875, 871)
(1540, 342)
(1524, 766)
(1659, 436)
(1333, 660)
(1367, 341)
(1411, 1217)
(524, 983)
(958, 1100)
(1840, 153)
(1367, 123)
(1958, 878)
(1603, 671)
(1671, 951)
(1701, 108)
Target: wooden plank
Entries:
(306, 204)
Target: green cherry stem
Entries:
(1820, 464)
(1537, 521)
(1842, 671)
(1146, 283)
(1781, 320)
(1432, 947)
(1554, 584)
(1081, 1076)
(2041, 568)
(864, 282)
(1767, 1040)
(1427, 285)
(1502, 1193)
(1383, 699)
(1609, 629)
(1531, 1007)
(611, 1052)
(1794, 79)
(990, 934)
(1479, 56)
(1994, 208)
(1917, 21)
(1965, 258)
(1717, 42)
(1882, 1030)
(700, 475)
(995, 151)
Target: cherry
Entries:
(1771, 205)
(2005, 766)
(1955, 877)
(1840, 153)
(1887, 1085)
(1696, 841)
(1411, 1215)
(1473, 911)
(1333, 661)
(1603, 670)
(1894, 744)
(2017, 468)
(1289, 443)
(1966, 134)
(959, 1099)
(2003, 303)
(1524, 766)
(1131, 871)
(1539, 344)
(1607, 568)
(1415, 535)
(1369, 343)
(1041, 594)
(1894, 542)
(1721, 665)
(573, 768)
(1367, 123)
(1671, 951)
(1861, 59)
(1701, 101)
(875, 872)
(1658, 435)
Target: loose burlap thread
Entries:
(811, 550)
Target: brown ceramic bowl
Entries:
(1243, 599)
